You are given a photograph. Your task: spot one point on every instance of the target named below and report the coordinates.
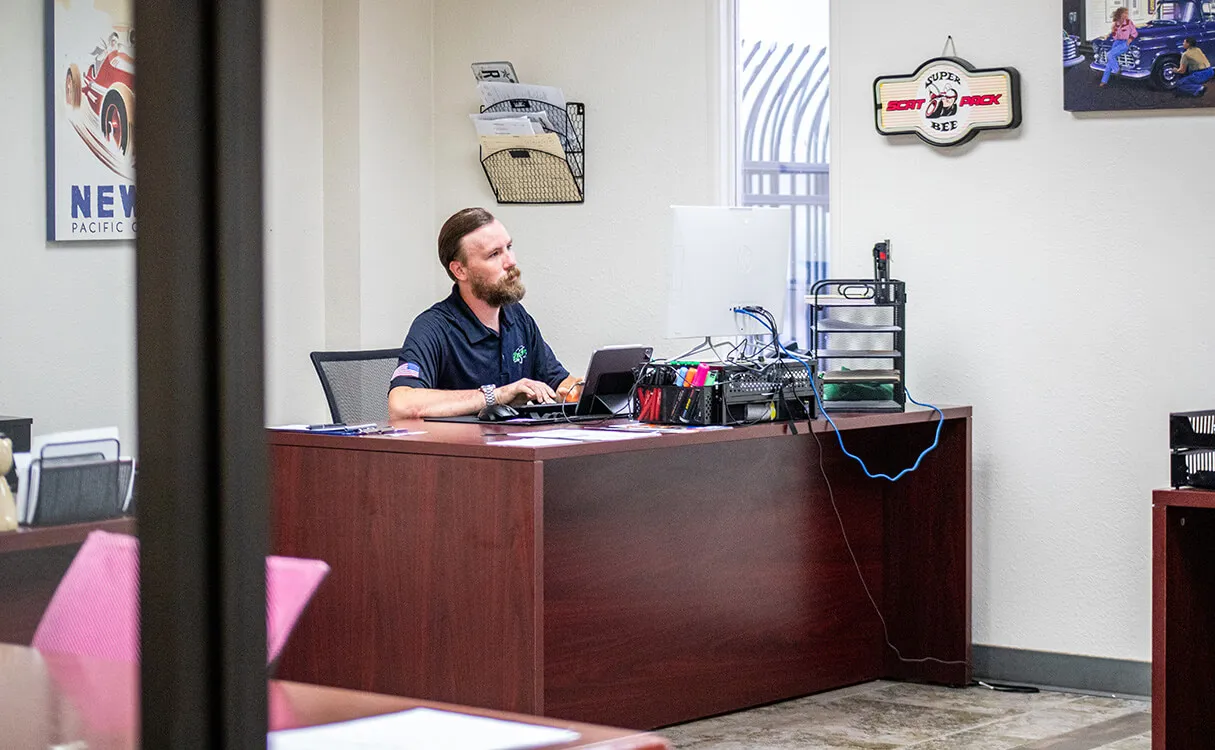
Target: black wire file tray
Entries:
(535, 175)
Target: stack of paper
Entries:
(524, 121)
(420, 729)
(581, 435)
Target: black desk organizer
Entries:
(678, 405)
(526, 175)
(745, 394)
(1192, 449)
(862, 321)
(80, 488)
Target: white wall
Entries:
(1058, 279)
(595, 271)
(68, 310)
(349, 185)
(294, 210)
(396, 138)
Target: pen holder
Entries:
(673, 404)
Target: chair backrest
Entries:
(356, 383)
(95, 610)
(290, 584)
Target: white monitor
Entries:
(724, 257)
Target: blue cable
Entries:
(839, 436)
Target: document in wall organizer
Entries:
(505, 126)
(548, 143)
(512, 123)
(420, 729)
(493, 92)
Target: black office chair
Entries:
(356, 383)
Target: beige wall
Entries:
(67, 310)
(596, 271)
(349, 183)
(1058, 279)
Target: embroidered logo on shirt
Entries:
(519, 355)
(407, 370)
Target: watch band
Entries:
(488, 392)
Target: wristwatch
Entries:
(488, 392)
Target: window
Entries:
(782, 121)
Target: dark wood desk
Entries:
(1183, 618)
(637, 583)
(58, 700)
(32, 562)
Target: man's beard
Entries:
(505, 292)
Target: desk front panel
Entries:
(1183, 618)
(690, 581)
(433, 589)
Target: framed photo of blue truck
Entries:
(1138, 54)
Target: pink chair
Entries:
(95, 609)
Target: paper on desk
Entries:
(672, 429)
(586, 436)
(504, 126)
(420, 729)
(22, 463)
(546, 142)
(493, 92)
(532, 442)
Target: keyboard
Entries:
(544, 410)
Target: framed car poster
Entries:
(90, 118)
(1137, 54)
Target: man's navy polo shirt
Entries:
(449, 349)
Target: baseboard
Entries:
(1089, 674)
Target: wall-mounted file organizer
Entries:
(78, 483)
(527, 174)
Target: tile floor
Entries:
(884, 715)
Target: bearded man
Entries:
(478, 347)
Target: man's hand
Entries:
(522, 391)
(570, 389)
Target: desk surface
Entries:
(1188, 498)
(41, 537)
(484, 440)
(56, 700)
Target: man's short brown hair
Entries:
(458, 226)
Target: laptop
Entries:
(606, 389)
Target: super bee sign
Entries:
(947, 102)
(90, 120)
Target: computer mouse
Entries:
(497, 413)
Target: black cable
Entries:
(860, 575)
(1004, 688)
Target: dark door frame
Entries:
(202, 506)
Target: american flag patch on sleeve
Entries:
(407, 370)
